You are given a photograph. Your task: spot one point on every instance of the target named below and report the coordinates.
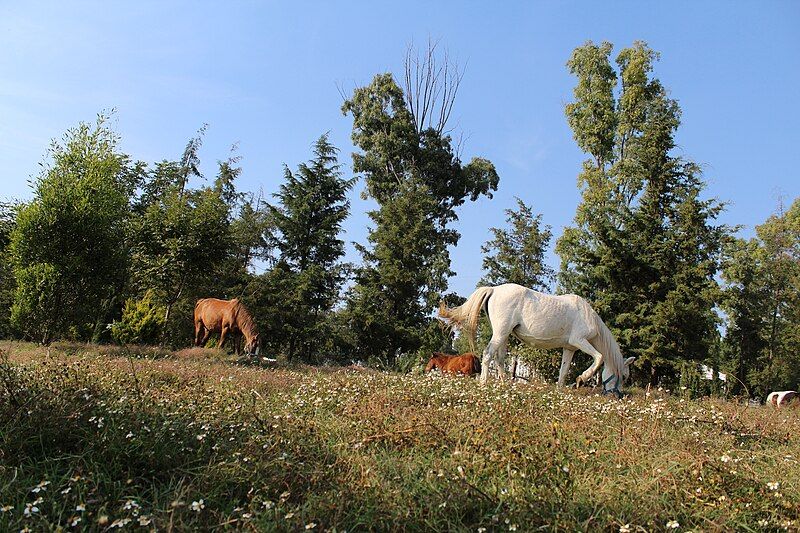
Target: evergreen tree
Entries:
(762, 304)
(68, 248)
(516, 254)
(413, 172)
(312, 205)
(644, 248)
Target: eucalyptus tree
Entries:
(413, 171)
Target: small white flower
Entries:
(144, 520)
(80, 507)
(725, 458)
(288, 516)
(30, 509)
(773, 485)
(75, 520)
(311, 525)
(6, 508)
(198, 506)
(763, 522)
(673, 524)
(120, 522)
(129, 435)
(625, 528)
(268, 504)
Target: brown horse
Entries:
(466, 364)
(226, 317)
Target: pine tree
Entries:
(312, 205)
(516, 254)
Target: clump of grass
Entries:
(196, 441)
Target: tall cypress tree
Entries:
(644, 248)
(312, 205)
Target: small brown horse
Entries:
(467, 364)
(226, 317)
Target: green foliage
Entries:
(516, 254)
(418, 180)
(7, 282)
(762, 305)
(312, 205)
(68, 248)
(142, 321)
(644, 248)
(182, 247)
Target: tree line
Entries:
(112, 249)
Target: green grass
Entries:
(196, 440)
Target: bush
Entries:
(142, 321)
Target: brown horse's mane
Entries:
(244, 319)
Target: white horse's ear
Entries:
(629, 360)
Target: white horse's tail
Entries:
(466, 315)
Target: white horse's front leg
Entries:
(587, 347)
(566, 360)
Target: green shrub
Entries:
(142, 321)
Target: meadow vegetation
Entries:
(99, 437)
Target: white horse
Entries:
(542, 321)
(781, 398)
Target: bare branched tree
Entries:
(431, 84)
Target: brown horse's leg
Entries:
(222, 335)
(204, 340)
(197, 327)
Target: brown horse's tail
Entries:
(466, 315)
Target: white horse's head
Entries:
(613, 379)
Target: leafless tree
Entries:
(431, 84)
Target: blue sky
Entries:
(267, 76)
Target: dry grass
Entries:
(104, 437)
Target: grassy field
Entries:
(100, 437)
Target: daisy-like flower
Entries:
(145, 520)
(625, 528)
(288, 516)
(74, 521)
(725, 458)
(673, 524)
(41, 486)
(311, 525)
(130, 504)
(763, 522)
(66, 491)
(773, 485)
(80, 507)
(6, 508)
(121, 522)
(198, 506)
(30, 509)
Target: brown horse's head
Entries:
(252, 345)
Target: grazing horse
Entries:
(542, 321)
(781, 398)
(225, 317)
(466, 364)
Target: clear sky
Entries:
(266, 75)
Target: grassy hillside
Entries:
(99, 438)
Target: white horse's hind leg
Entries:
(494, 352)
(586, 346)
(566, 360)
